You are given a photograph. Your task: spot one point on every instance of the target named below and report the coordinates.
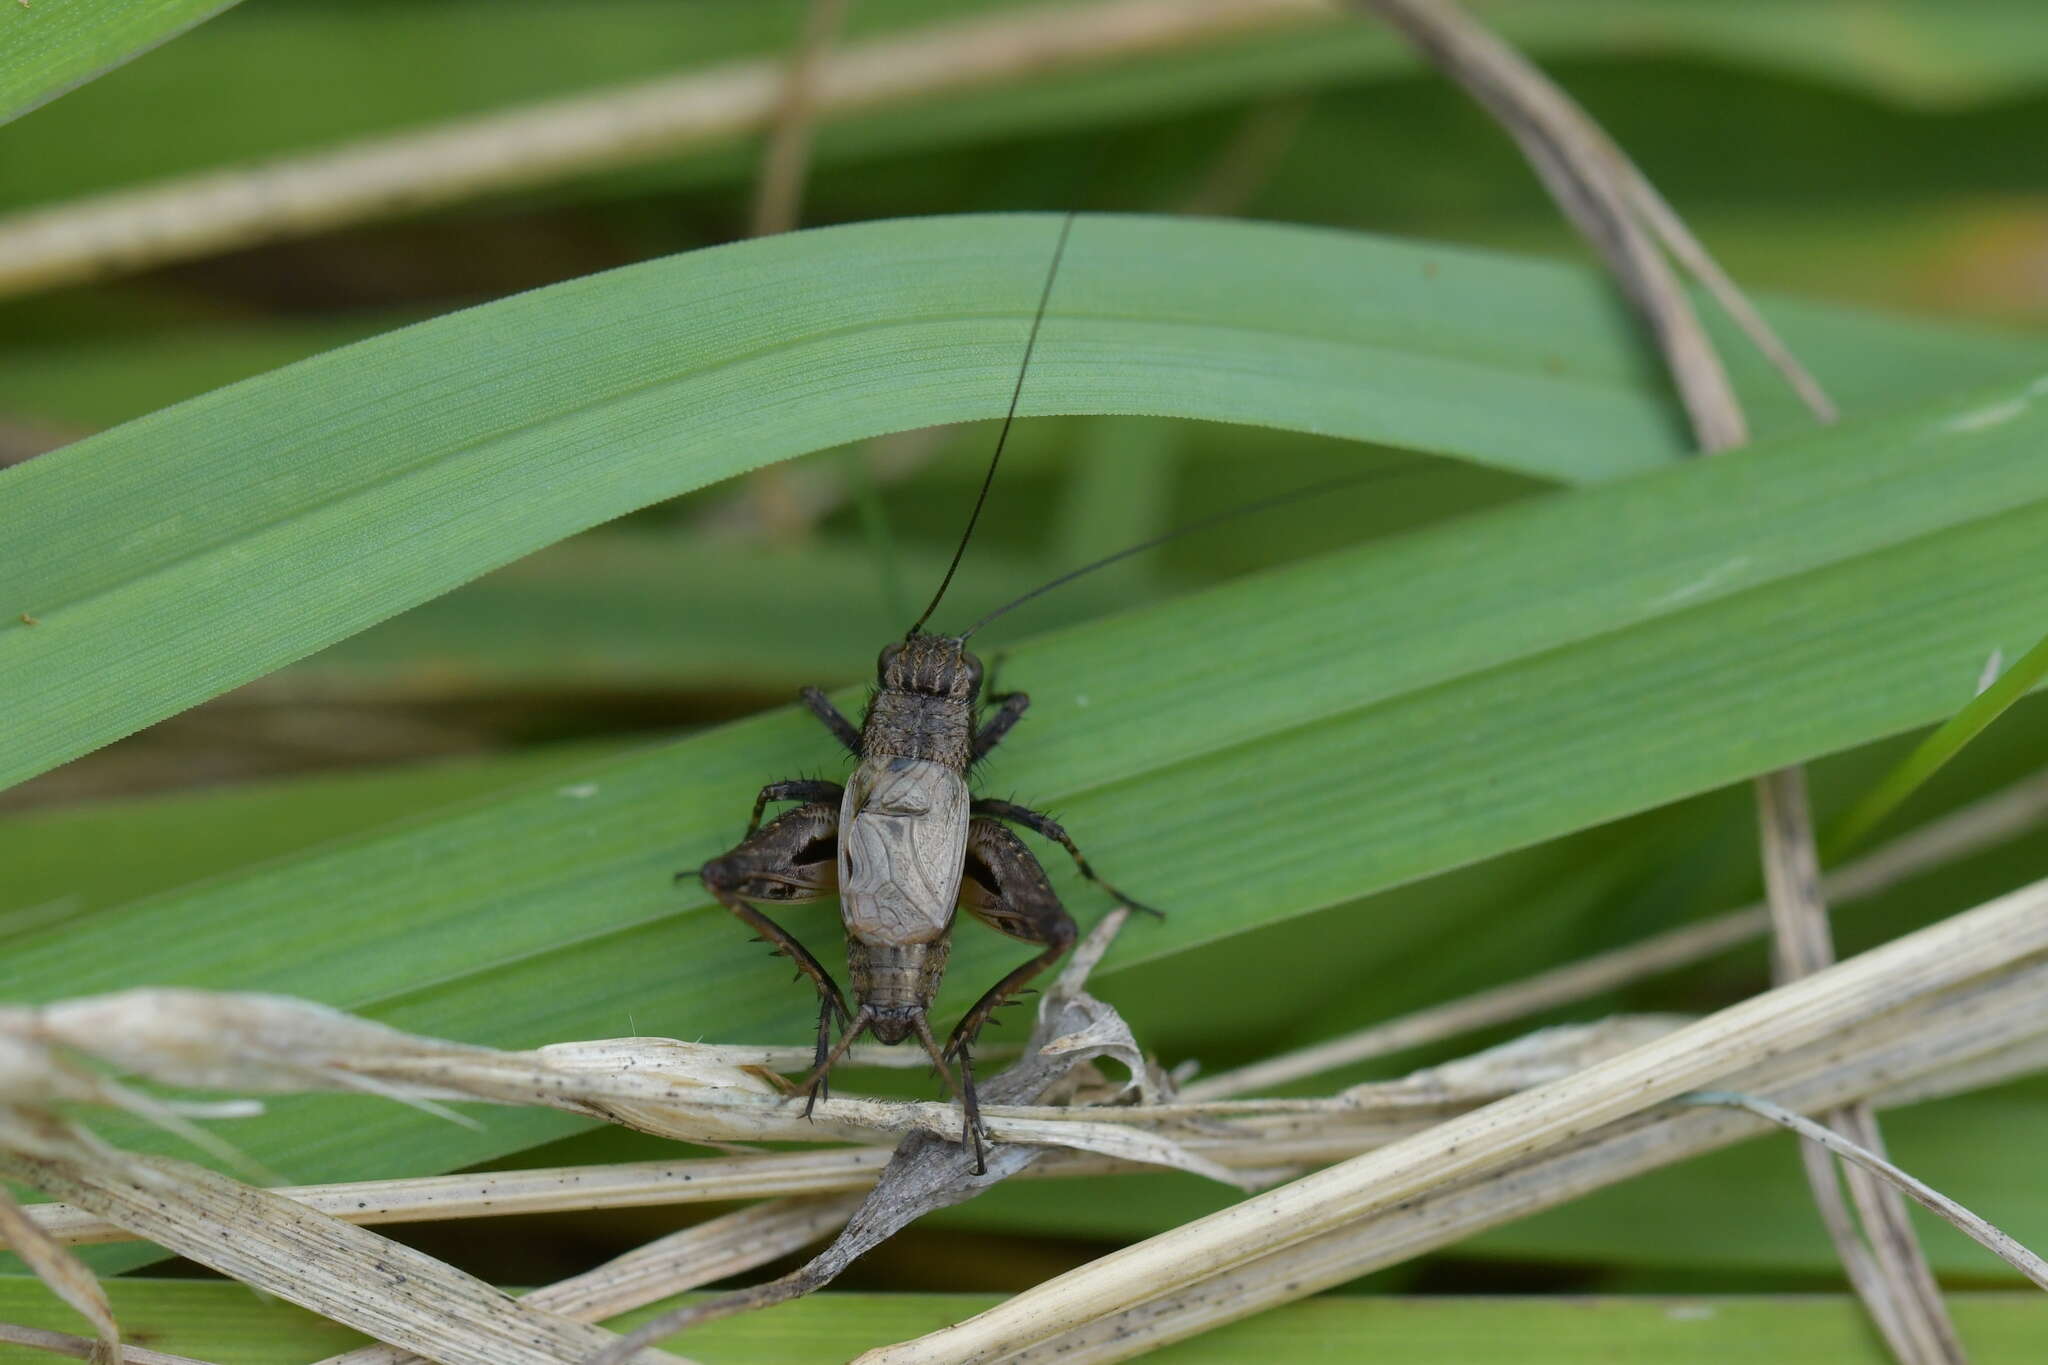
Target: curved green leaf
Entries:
(180, 555)
(283, 513)
(52, 46)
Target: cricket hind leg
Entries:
(1040, 823)
(795, 789)
(1004, 887)
(793, 859)
(963, 1090)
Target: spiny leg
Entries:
(795, 789)
(963, 1091)
(830, 1001)
(793, 859)
(1003, 886)
(1010, 706)
(843, 729)
(819, 1082)
(1040, 823)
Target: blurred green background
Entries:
(1885, 156)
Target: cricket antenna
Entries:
(1242, 510)
(988, 479)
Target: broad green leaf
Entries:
(627, 611)
(286, 512)
(57, 45)
(57, 868)
(1256, 751)
(226, 1324)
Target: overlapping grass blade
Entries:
(1256, 751)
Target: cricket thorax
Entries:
(923, 706)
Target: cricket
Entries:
(904, 842)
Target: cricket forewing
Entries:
(902, 843)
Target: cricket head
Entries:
(931, 665)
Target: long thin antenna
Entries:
(1031, 342)
(1242, 510)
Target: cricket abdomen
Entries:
(897, 982)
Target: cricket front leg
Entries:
(844, 730)
(1010, 708)
(793, 859)
(1040, 823)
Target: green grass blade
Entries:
(226, 1324)
(291, 510)
(57, 868)
(57, 45)
(1937, 749)
(625, 611)
(1277, 745)
(294, 509)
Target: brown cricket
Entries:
(904, 842)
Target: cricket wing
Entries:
(902, 841)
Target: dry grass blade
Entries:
(1888, 1270)
(1573, 160)
(683, 1260)
(1972, 829)
(377, 1286)
(67, 1277)
(84, 1348)
(1246, 1136)
(1073, 1029)
(1827, 1004)
(1981, 825)
(133, 230)
(1614, 205)
(1987, 1236)
(687, 1091)
(1978, 1033)
(494, 1194)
